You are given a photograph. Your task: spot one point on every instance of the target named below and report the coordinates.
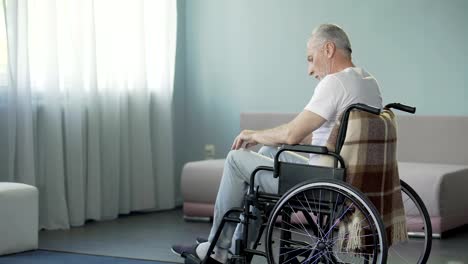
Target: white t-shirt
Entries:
(337, 91)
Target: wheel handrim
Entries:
(322, 231)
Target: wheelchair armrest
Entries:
(300, 148)
(252, 176)
(313, 149)
(304, 148)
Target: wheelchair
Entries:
(317, 217)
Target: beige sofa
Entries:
(432, 155)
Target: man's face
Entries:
(316, 60)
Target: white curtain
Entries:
(89, 118)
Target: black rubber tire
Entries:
(425, 217)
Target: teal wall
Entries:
(249, 55)
(179, 98)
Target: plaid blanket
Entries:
(369, 152)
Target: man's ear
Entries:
(330, 49)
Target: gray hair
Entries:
(333, 33)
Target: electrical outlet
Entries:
(209, 151)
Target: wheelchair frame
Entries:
(264, 201)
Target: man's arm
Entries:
(291, 133)
(307, 140)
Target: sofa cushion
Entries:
(200, 180)
(437, 184)
(442, 187)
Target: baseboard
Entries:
(197, 218)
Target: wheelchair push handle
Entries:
(367, 108)
(402, 107)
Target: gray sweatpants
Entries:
(234, 185)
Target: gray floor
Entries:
(149, 236)
(142, 236)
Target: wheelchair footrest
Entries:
(191, 259)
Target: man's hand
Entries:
(247, 137)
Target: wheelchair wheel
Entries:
(325, 221)
(418, 247)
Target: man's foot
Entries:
(182, 251)
(200, 240)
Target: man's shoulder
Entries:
(350, 76)
(351, 72)
(332, 80)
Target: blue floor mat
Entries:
(55, 257)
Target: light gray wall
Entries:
(249, 55)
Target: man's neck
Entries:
(341, 65)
